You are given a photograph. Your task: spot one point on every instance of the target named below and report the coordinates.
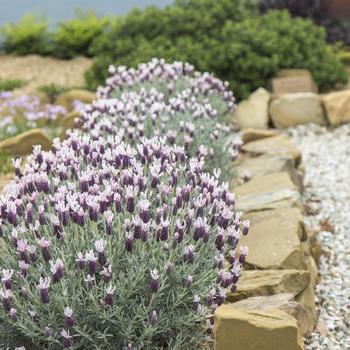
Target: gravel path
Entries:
(326, 156)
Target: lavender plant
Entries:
(21, 113)
(183, 120)
(106, 246)
(171, 79)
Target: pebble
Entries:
(326, 156)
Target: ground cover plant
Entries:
(171, 100)
(108, 246)
(25, 112)
(52, 91)
(10, 84)
(6, 164)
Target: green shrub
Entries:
(5, 163)
(230, 40)
(52, 91)
(10, 84)
(153, 32)
(74, 37)
(29, 35)
(271, 42)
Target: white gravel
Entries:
(326, 157)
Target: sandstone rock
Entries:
(315, 246)
(294, 109)
(293, 72)
(293, 80)
(337, 106)
(268, 164)
(268, 192)
(268, 282)
(22, 144)
(283, 302)
(283, 213)
(274, 243)
(65, 99)
(253, 113)
(307, 299)
(251, 134)
(255, 330)
(276, 145)
(69, 122)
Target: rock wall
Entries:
(274, 305)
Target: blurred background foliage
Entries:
(242, 41)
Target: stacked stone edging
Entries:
(275, 296)
(294, 101)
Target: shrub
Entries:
(337, 29)
(74, 37)
(153, 32)
(52, 91)
(246, 50)
(105, 245)
(10, 84)
(272, 42)
(30, 35)
(171, 100)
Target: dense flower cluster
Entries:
(123, 236)
(170, 79)
(20, 113)
(108, 246)
(182, 120)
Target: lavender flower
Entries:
(67, 342)
(91, 262)
(45, 249)
(80, 260)
(6, 296)
(100, 247)
(90, 280)
(109, 295)
(154, 316)
(69, 320)
(7, 278)
(57, 270)
(43, 286)
(13, 314)
(108, 221)
(154, 281)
